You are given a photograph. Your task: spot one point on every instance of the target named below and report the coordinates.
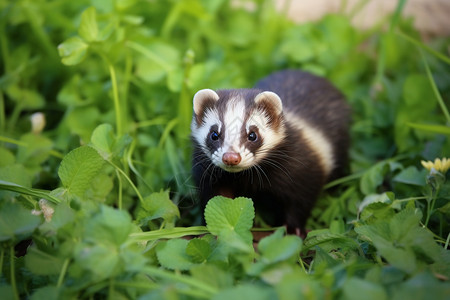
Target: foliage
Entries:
(96, 197)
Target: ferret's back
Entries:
(314, 100)
(309, 96)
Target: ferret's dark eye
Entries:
(214, 136)
(252, 136)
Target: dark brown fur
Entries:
(293, 176)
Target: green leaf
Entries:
(101, 186)
(133, 259)
(103, 139)
(175, 80)
(158, 205)
(83, 120)
(36, 151)
(328, 240)
(6, 291)
(109, 225)
(102, 251)
(28, 98)
(13, 176)
(376, 198)
(88, 27)
(402, 242)
(411, 175)
(246, 292)
(16, 222)
(373, 177)
(199, 250)
(422, 286)
(7, 156)
(48, 292)
(62, 216)
(445, 209)
(212, 275)
(106, 143)
(72, 51)
(225, 216)
(276, 247)
(42, 263)
(101, 260)
(416, 93)
(78, 168)
(157, 60)
(298, 285)
(172, 254)
(354, 287)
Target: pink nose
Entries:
(231, 158)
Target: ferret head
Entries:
(236, 129)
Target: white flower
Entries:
(46, 209)
(37, 122)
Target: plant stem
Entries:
(63, 273)
(430, 205)
(129, 161)
(13, 274)
(343, 180)
(435, 53)
(14, 116)
(22, 144)
(128, 180)
(12, 141)
(39, 31)
(9, 186)
(126, 82)
(2, 114)
(150, 55)
(300, 260)
(110, 289)
(2, 257)
(194, 293)
(156, 121)
(397, 14)
(119, 204)
(166, 132)
(117, 110)
(184, 103)
(175, 232)
(447, 241)
(356, 8)
(197, 284)
(435, 89)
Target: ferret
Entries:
(277, 143)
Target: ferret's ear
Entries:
(271, 100)
(203, 99)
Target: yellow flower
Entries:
(438, 164)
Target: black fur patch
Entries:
(253, 146)
(210, 143)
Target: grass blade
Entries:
(176, 232)
(440, 129)
(438, 55)
(435, 89)
(10, 186)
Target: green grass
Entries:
(115, 80)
